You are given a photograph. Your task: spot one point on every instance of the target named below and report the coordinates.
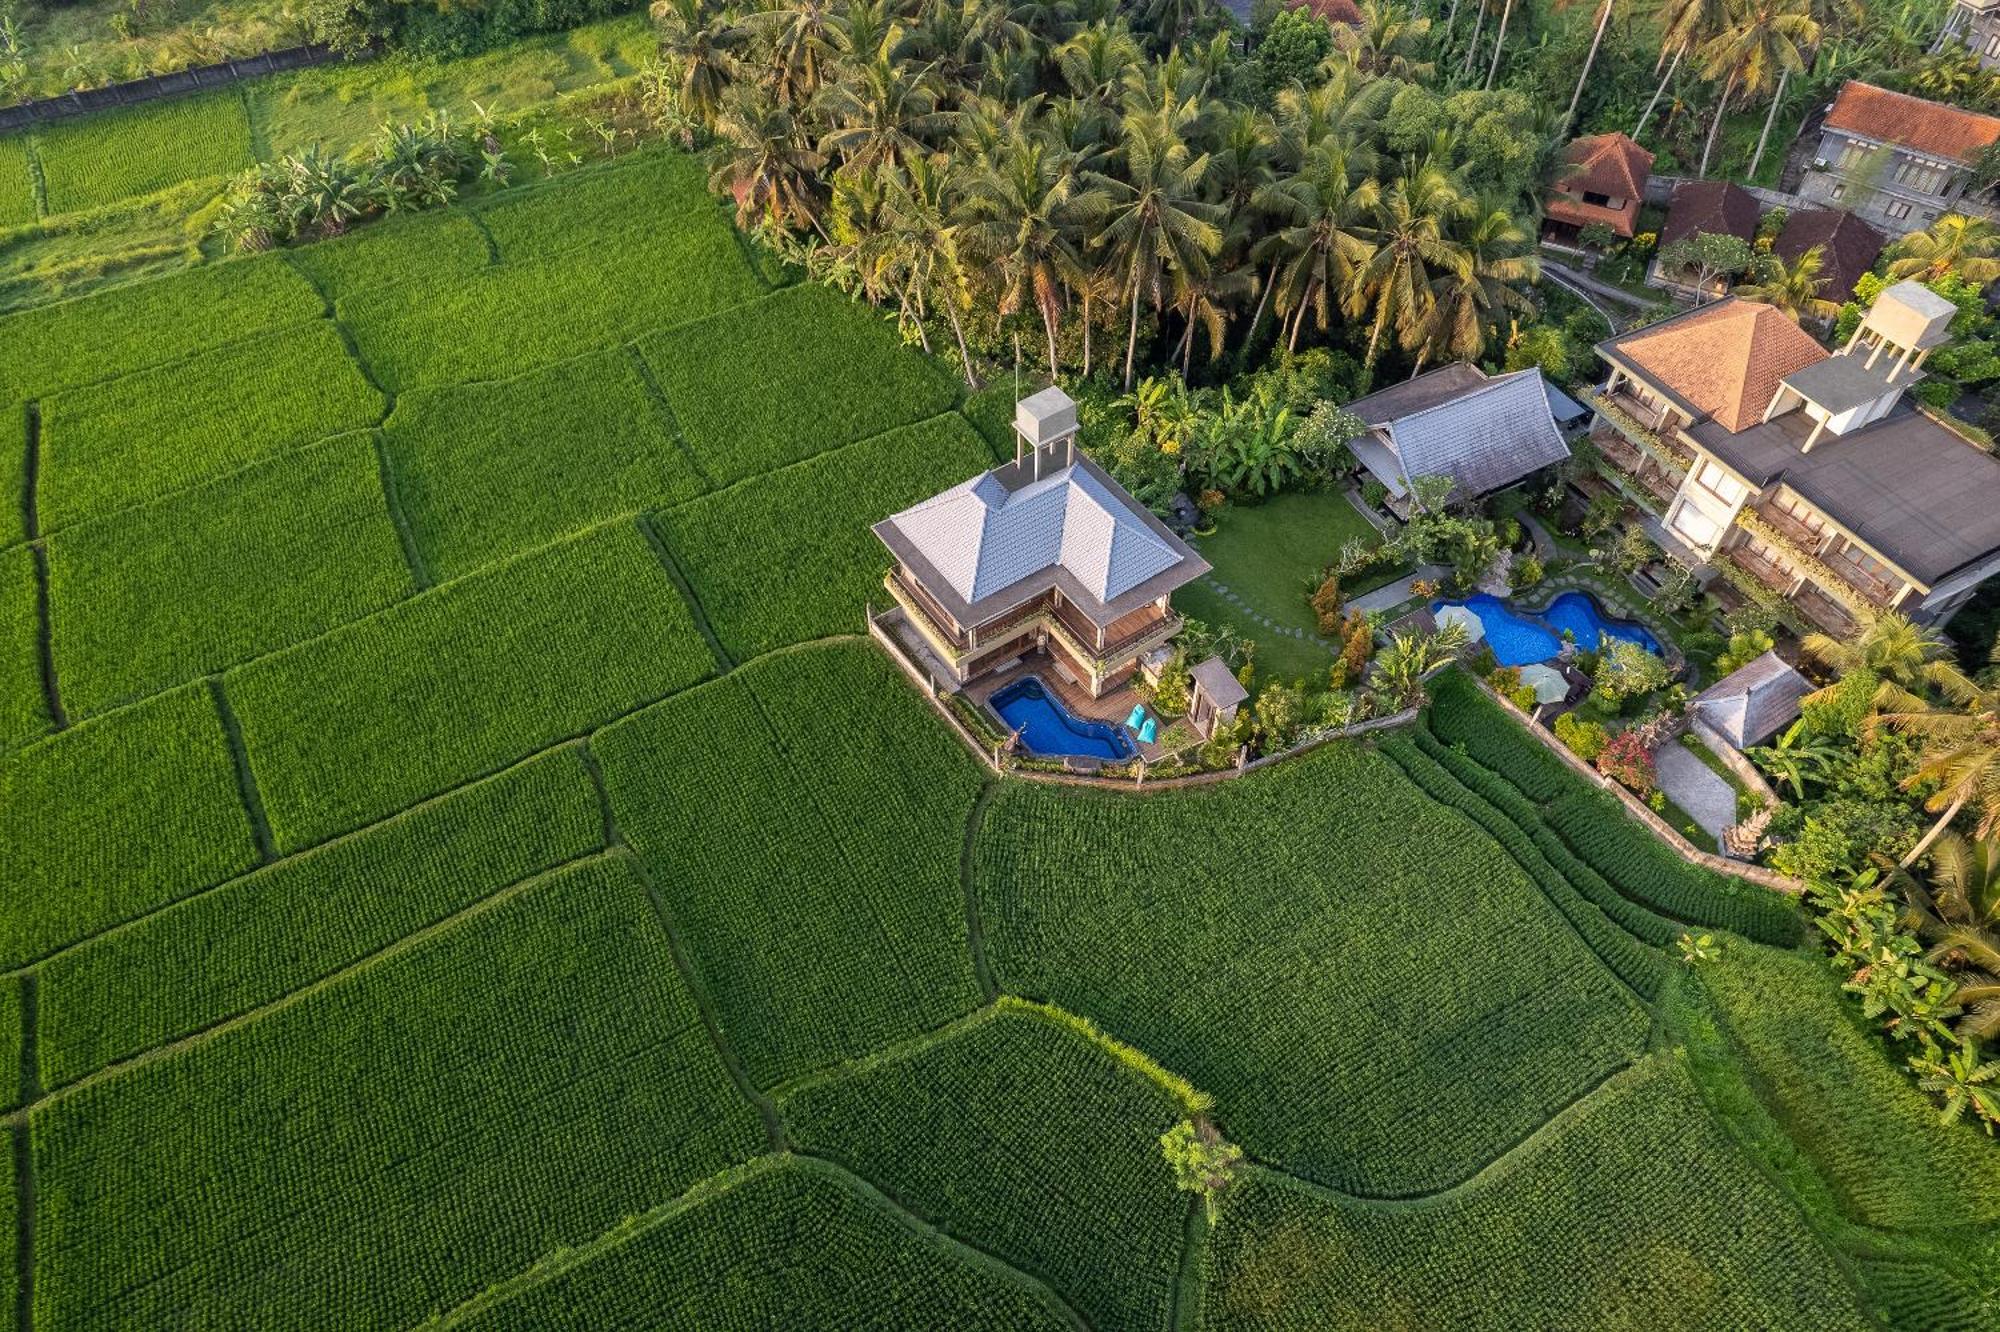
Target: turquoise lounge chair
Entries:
(1148, 731)
(1138, 715)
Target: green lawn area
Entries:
(1263, 554)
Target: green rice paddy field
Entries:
(463, 865)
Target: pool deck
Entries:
(1114, 707)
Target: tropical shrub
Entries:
(1625, 670)
(1625, 760)
(1585, 739)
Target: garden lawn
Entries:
(1630, 1209)
(1030, 1141)
(804, 819)
(789, 557)
(1253, 935)
(206, 578)
(111, 155)
(791, 1241)
(1267, 557)
(392, 1143)
(17, 184)
(483, 471)
(260, 937)
(461, 681)
(499, 321)
(797, 373)
(115, 817)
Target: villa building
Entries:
(1901, 162)
(1975, 25)
(1810, 472)
(1046, 555)
(1485, 433)
(1703, 208)
(1848, 247)
(1603, 180)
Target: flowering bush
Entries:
(1625, 760)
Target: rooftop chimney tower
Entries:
(1045, 422)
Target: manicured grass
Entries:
(412, 248)
(813, 866)
(789, 556)
(798, 1244)
(99, 159)
(113, 818)
(398, 1140)
(461, 681)
(24, 712)
(483, 471)
(1253, 936)
(1632, 1209)
(973, 1131)
(797, 373)
(17, 186)
(1265, 555)
(605, 206)
(255, 940)
(148, 323)
(497, 322)
(206, 578)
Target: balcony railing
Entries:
(1620, 412)
(1828, 580)
(1080, 644)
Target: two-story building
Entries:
(1603, 179)
(1975, 25)
(1046, 557)
(1814, 474)
(1898, 161)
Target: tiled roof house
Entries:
(1603, 179)
(1811, 473)
(1898, 161)
(1454, 421)
(1848, 247)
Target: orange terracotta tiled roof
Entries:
(1725, 358)
(1607, 164)
(1893, 117)
(1333, 11)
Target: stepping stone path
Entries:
(1253, 614)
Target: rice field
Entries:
(463, 863)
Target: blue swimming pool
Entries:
(1518, 638)
(1047, 727)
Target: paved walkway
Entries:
(1593, 291)
(1693, 786)
(1391, 595)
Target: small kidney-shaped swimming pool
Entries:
(1519, 638)
(1050, 729)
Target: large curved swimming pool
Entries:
(1520, 638)
(1048, 728)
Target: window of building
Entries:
(1898, 208)
(1923, 177)
(1691, 523)
(1719, 483)
(1596, 200)
(1993, 45)
(1851, 154)
(1861, 560)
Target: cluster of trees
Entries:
(1103, 183)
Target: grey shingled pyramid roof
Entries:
(1748, 705)
(1485, 438)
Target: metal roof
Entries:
(1747, 706)
(1486, 438)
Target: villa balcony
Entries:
(1807, 597)
(967, 654)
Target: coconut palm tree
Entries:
(1955, 243)
(1479, 285)
(1892, 647)
(1499, 43)
(1958, 748)
(1028, 220)
(1412, 244)
(1955, 909)
(1156, 219)
(764, 161)
(1589, 60)
(927, 259)
(702, 50)
(797, 42)
(1325, 210)
(1761, 40)
(1794, 287)
(879, 113)
(1387, 43)
(1684, 26)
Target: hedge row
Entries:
(1632, 1210)
(129, 440)
(206, 578)
(605, 208)
(115, 817)
(1640, 967)
(148, 323)
(797, 1246)
(99, 159)
(790, 556)
(394, 1143)
(484, 471)
(410, 249)
(1254, 935)
(812, 870)
(502, 320)
(270, 933)
(461, 681)
(797, 373)
(24, 712)
(1030, 1143)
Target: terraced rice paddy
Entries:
(461, 860)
